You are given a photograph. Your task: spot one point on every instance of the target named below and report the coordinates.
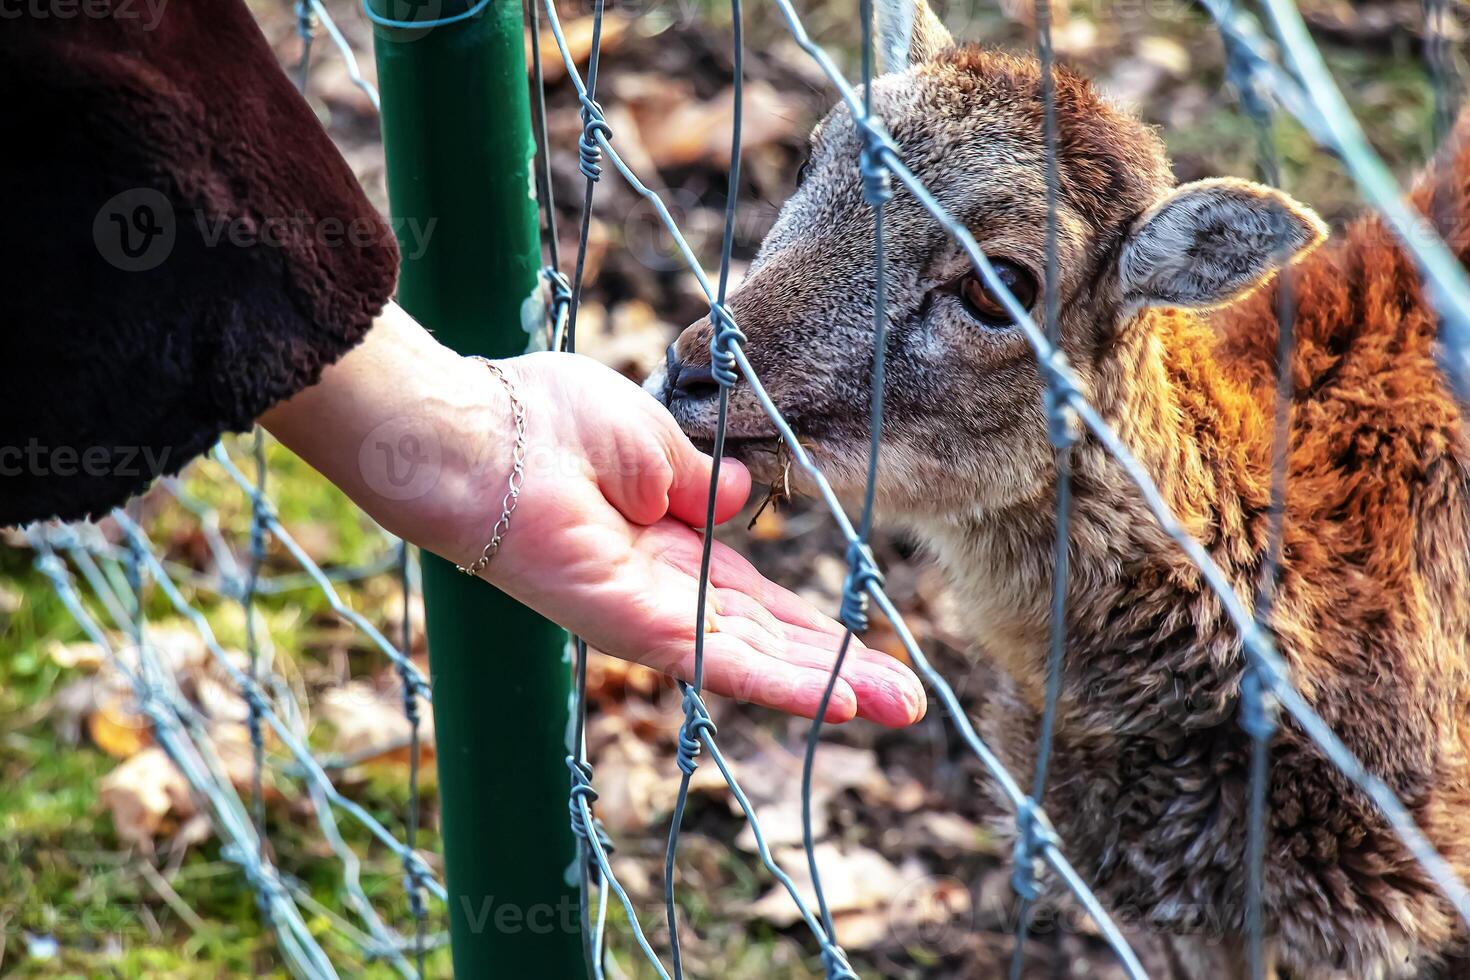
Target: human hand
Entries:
(602, 539)
(601, 542)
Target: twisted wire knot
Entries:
(561, 291)
(261, 508)
(582, 790)
(697, 724)
(834, 963)
(414, 867)
(1240, 72)
(149, 699)
(1033, 834)
(415, 875)
(410, 701)
(254, 699)
(877, 178)
(1257, 706)
(260, 518)
(256, 702)
(52, 567)
(723, 341)
(593, 125)
(257, 733)
(305, 20)
(561, 287)
(862, 572)
(1061, 428)
(267, 887)
(414, 687)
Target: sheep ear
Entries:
(908, 33)
(1211, 241)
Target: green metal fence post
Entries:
(457, 132)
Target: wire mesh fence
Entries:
(1305, 89)
(107, 586)
(118, 580)
(115, 577)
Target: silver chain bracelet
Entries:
(517, 472)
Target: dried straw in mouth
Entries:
(779, 490)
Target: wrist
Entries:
(466, 447)
(414, 433)
(510, 501)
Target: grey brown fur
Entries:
(1167, 316)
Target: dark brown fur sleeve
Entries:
(182, 247)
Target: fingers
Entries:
(637, 482)
(670, 477)
(736, 670)
(730, 570)
(886, 696)
(689, 492)
(786, 626)
(887, 692)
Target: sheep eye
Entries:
(984, 305)
(803, 171)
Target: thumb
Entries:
(668, 475)
(689, 491)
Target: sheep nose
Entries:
(689, 382)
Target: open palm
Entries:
(602, 543)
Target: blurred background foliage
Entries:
(90, 887)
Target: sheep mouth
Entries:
(754, 440)
(753, 433)
(763, 453)
(746, 448)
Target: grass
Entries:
(68, 884)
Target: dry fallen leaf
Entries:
(633, 342)
(678, 132)
(178, 646)
(146, 796)
(76, 656)
(117, 729)
(883, 637)
(771, 778)
(578, 36)
(853, 879)
(769, 524)
(1024, 12)
(219, 699)
(369, 725)
(635, 784)
(236, 754)
(872, 901)
(630, 695)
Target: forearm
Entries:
(404, 426)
